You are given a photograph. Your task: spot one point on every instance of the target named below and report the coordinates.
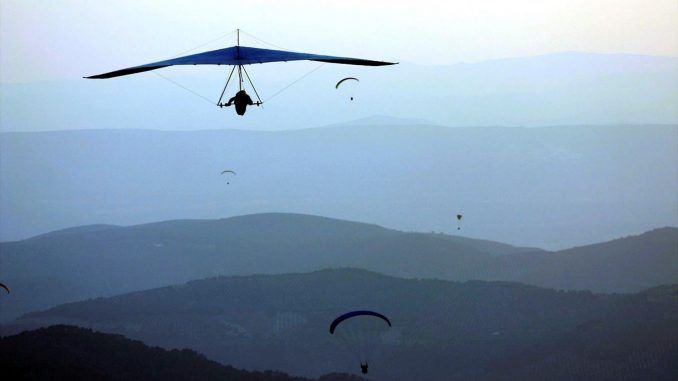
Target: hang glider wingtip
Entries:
(128, 71)
(354, 61)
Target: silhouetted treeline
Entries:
(70, 353)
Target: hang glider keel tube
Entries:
(238, 56)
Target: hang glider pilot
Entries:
(241, 100)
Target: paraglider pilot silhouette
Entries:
(363, 367)
(360, 331)
(241, 100)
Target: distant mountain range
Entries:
(552, 187)
(441, 330)
(104, 260)
(72, 353)
(568, 88)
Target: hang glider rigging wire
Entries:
(252, 84)
(240, 67)
(262, 41)
(184, 87)
(295, 81)
(241, 81)
(193, 49)
(206, 43)
(283, 89)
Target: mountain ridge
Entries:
(443, 329)
(88, 262)
(511, 90)
(66, 352)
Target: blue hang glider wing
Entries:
(240, 55)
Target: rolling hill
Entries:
(102, 260)
(441, 330)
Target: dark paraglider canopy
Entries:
(360, 331)
(344, 80)
(352, 314)
(459, 216)
(5, 287)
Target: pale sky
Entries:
(51, 40)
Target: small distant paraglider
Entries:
(344, 80)
(459, 217)
(227, 172)
(5, 287)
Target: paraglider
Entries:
(360, 331)
(239, 56)
(5, 287)
(228, 171)
(344, 80)
(363, 367)
(459, 217)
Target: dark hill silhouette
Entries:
(71, 353)
(441, 330)
(85, 262)
(79, 230)
(627, 264)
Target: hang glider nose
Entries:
(240, 55)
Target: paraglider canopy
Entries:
(344, 80)
(5, 287)
(360, 331)
(228, 171)
(352, 314)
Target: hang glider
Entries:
(240, 55)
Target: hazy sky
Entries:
(50, 40)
